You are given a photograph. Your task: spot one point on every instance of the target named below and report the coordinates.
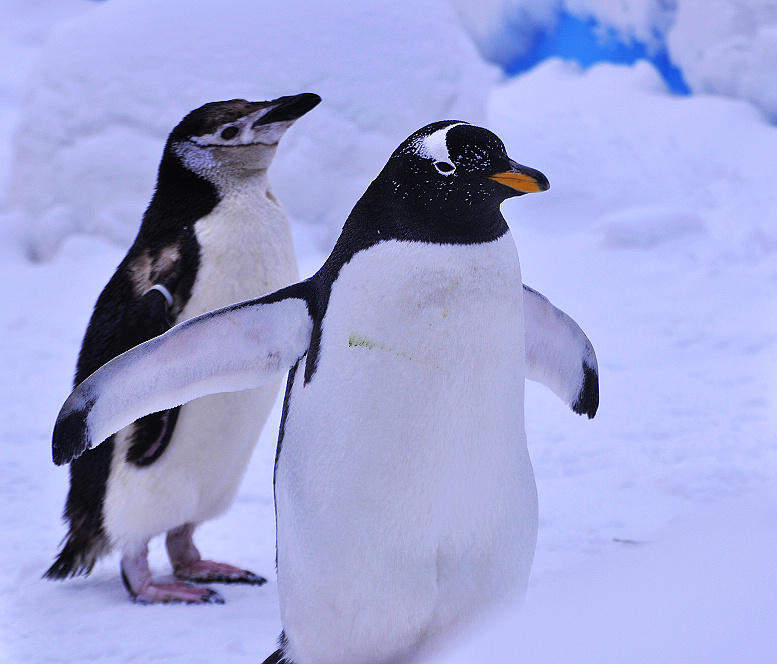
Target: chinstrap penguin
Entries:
(213, 234)
(405, 497)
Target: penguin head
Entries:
(454, 161)
(450, 178)
(229, 138)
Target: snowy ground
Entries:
(658, 519)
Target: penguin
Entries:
(213, 234)
(405, 497)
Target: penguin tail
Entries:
(77, 557)
(276, 658)
(86, 540)
(279, 656)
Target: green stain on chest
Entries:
(356, 339)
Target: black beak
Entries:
(288, 109)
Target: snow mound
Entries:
(649, 227)
(506, 30)
(95, 117)
(611, 140)
(646, 21)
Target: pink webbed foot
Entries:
(137, 580)
(173, 593)
(208, 571)
(189, 565)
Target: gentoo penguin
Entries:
(405, 497)
(213, 234)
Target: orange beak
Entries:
(522, 178)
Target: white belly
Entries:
(404, 491)
(246, 251)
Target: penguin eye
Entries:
(229, 133)
(444, 167)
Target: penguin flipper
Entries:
(239, 347)
(559, 354)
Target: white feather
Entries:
(435, 145)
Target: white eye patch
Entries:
(444, 167)
(435, 147)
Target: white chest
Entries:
(405, 495)
(246, 249)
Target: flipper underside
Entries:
(238, 347)
(559, 354)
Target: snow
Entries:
(658, 236)
(505, 30)
(661, 601)
(642, 20)
(586, 124)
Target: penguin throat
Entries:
(221, 164)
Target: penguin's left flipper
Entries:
(264, 338)
(559, 354)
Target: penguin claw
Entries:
(208, 571)
(212, 597)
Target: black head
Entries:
(457, 168)
(444, 184)
(236, 122)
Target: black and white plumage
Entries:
(405, 497)
(213, 234)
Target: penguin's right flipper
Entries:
(238, 347)
(559, 354)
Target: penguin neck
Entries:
(380, 215)
(181, 198)
(242, 180)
